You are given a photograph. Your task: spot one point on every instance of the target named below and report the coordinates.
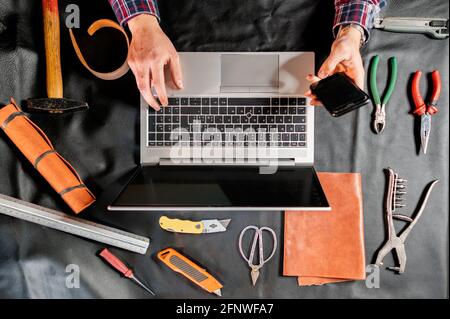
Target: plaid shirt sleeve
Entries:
(361, 12)
(127, 9)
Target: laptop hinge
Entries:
(227, 162)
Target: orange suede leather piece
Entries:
(32, 142)
(328, 247)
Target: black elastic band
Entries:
(68, 190)
(41, 157)
(11, 117)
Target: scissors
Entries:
(257, 239)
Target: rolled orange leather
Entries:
(38, 149)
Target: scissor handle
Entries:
(257, 239)
(373, 80)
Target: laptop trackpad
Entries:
(241, 73)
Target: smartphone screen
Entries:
(339, 94)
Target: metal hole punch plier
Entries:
(425, 111)
(380, 102)
(396, 191)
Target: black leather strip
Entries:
(11, 117)
(41, 157)
(68, 190)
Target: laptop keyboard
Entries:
(279, 122)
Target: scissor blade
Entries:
(255, 276)
(425, 129)
(215, 225)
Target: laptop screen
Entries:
(224, 187)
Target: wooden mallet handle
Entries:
(52, 48)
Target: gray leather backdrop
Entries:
(103, 145)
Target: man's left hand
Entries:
(344, 57)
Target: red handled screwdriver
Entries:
(123, 269)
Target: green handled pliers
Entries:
(380, 102)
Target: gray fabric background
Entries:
(103, 145)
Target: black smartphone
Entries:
(339, 94)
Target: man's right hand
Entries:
(150, 52)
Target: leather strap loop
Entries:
(97, 25)
(42, 156)
(10, 118)
(68, 190)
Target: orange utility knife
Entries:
(178, 263)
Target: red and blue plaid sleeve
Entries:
(360, 12)
(127, 9)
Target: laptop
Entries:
(238, 136)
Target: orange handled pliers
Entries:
(426, 110)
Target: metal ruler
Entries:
(53, 219)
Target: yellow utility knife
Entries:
(189, 227)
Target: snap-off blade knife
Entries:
(436, 28)
(190, 227)
(182, 265)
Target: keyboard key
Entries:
(205, 101)
(254, 119)
(190, 110)
(214, 101)
(222, 110)
(262, 119)
(151, 123)
(282, 128)
(302, 144)
(300, 128)
(290, 128)
(257, 110)
(214, 110)
(266, 110)
(223, 101)
(159, 143)
(301, 101)
(167, 127)
(227, 119)
(174, 101)
(302, 137)
(292, 101)
(292, 110)
(195, 101)
(244, 119)
(249, 101)
(284, 101)
(231, 110)
(176, 119)
(218, 119)
(205, 110)
(283, 110)
(271, 119)
(151, 143)
(275, 101)
(176, 110)
(275, 110)
(209, 119)
(299, 119)
(294, 137)
(287, 119)
(240, 110)
(279, 119)
(301, 110)
(159, 136)
(184, 101)
(236, 119)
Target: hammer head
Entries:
(55, 105)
